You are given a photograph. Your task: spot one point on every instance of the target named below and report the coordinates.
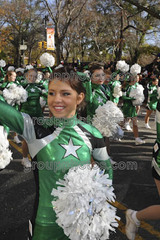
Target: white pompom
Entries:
(42, 102)
(137, 93)
(5, 153)
(59, 66)
(122, 66)
(135, 69)
(47, 60)
(117, 92)
(2, 63)
(15, 94)
(28, 67)
(81, 203)
(39, 77)
(107, 118)
(11, 68)
(158, 90)
(20, 70)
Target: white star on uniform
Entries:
(32, 90)
(70, 149)
(100, 100)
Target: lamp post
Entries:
(45, 20)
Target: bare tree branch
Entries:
(153, 11)
(130, 26)
(49, 10)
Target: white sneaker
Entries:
(127, 127)
(112, 162)
(26, 162)
(139, 141)
(117, 140)
(147, 126)
(16, 139)
(131, 227)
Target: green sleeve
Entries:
(49, 69)
(2, 71)
(127, 98)
(11, 117)
(88, 87)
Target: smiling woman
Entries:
(64, 144)
(65, 94)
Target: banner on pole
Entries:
(50, 39)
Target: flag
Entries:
(50, 39)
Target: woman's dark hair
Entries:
(95, 66)
(69, 76)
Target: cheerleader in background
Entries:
(31, 106)
(10, 78)
(152, 99)
(97, 95)
(128, 109)
(134, 218)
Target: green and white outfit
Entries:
(96, 98)
(156, 148)
(58, 145)
(152, 97)
(32, 105)
(129, 111)
(112, 85)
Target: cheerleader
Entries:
(152, 99)
(134, 218)
(9, 79)
(128, 109)
(61, 143)
(31, 106)
(97, 95)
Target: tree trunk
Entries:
(119, 54)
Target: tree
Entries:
(22, 23)
(63, 13)
(151, 7)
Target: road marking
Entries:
(19, 149)
(144, 225)
(118, 205)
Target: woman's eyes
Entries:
(66, 94)
(63, 94)
(51, 93)
(99, 75)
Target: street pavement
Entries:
(133, 183)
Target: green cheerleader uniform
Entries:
(5, 127)
(95, 99)
(2, 75)
(58, 145)
(112, 84)
(128, 109)
(152, 97)
(156, 148)
(32, 105)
